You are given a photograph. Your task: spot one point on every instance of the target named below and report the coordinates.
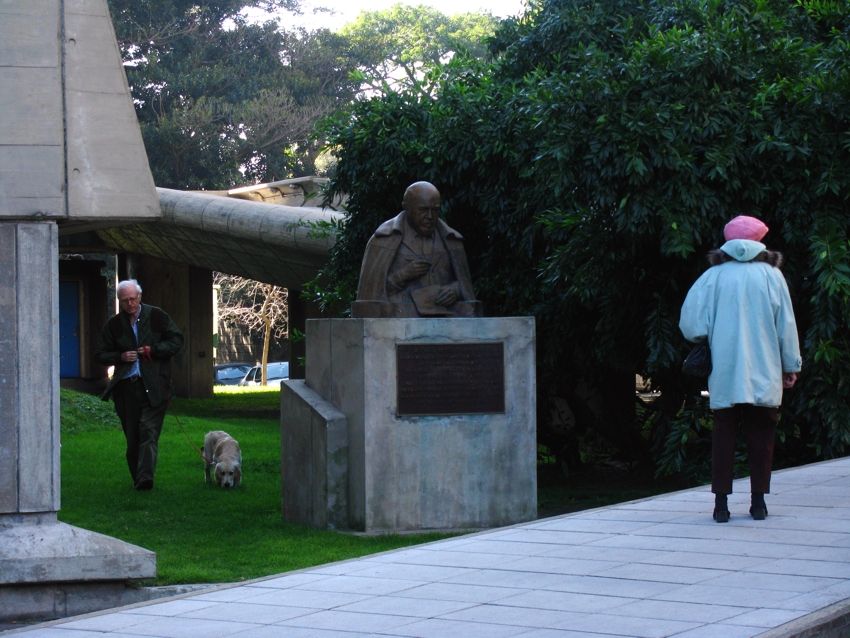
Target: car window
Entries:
(274, 371)
(278, 370)
(232, 373)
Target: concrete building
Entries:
(74, 173)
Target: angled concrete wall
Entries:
(108, 171)
(314, 458)
(32, 135)
(70, 145)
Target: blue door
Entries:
(69, 329)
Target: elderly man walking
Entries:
(139, 341)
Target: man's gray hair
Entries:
(126, 284)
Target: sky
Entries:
(347, 10)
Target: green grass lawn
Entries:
(204, 534)
(200, 534)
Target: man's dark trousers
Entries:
(142, 425)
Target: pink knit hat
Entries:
(745, 227)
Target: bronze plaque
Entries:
(450, 378)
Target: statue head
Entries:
(422, 202)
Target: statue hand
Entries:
(446, 297)
(414, 270)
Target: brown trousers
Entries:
(142, 425)
(759, 424)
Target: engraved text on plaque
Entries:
(450, 378)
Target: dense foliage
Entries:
(395, 45)
(222, 100)
(225, 100)
(592, 163)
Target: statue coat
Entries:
(382, 248)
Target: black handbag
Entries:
(698, 361)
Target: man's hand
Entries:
(130, 355)
(414, 270)
(145, 353)
(789, 379)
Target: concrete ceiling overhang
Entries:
(283, 245)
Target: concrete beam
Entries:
(288, 227)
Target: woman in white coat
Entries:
(741, 306)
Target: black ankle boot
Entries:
(758, 508)
(721, 509)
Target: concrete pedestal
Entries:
(352, 459)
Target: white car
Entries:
(275, 372)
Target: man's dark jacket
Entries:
(157, 330)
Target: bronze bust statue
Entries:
(415, 265)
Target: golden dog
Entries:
(223, 456)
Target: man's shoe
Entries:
(145, 485)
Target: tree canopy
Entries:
(223, 101)
(395, 46)
(591, 164)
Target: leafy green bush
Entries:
(593, 162)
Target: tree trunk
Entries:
(267, 337)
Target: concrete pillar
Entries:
(42, 561)
(29, 369)
(199, 345)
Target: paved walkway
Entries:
(648, 568)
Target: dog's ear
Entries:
(237, 475)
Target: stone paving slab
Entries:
(651, 568)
